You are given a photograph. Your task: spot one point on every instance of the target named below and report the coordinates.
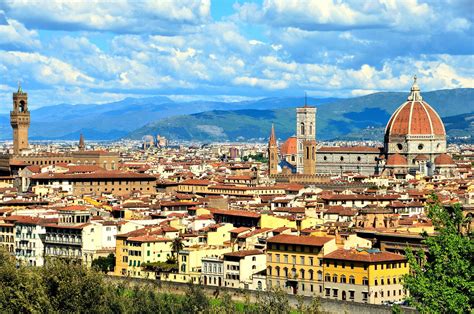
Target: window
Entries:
(334, 278)
(352, 280)
(327, 278)
(352, 266)
(278, 258)
(285, 258)
(302, 260)
(376, 281)
(320, 275)
(328, 292)
(343, 279)
(351, 295)
(382, 281)
(311, 261)
(365, 281)
(388, 281)
(293, 258)
(334, 293)
(302, 274)
(364, 296)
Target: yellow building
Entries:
(294, 263)
(141, 246)
(364, 275)
(7, 236)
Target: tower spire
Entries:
(272, 139)
(20, 90)
(82, 145)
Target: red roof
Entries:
(301, 240)
(289, 146)
(241, 213)
(444, 159)
(396, 160)
(415, 117)
(364, 256)
(244, 253)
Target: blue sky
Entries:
(96, 52)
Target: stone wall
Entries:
(327, 305)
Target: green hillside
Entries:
(355, 118)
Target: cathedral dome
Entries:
(444, 159)
(414, 117)
(396, 160)
(289, 146)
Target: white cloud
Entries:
(14, 35)
(122, 16)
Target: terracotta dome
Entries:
(289, 146)
(444, 159)
(421, 158)
(415, 117)
(396, 160)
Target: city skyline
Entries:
(66, 52)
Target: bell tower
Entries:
(272, 154)
(306, 139)
(20, 120)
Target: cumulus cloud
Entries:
(330, 50)
(14, 35)
(160, 17)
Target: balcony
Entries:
(65, 241)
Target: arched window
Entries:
(302, 274)
(269, 270)
(285, 272)
(320, 275)
(302, 128)
(310, 128)
(343, 279)
(327, 278)
(278, 270)
(307, 152)
(183, 268)
(334, 278)
(311, 273)
(259, 285)
(293, 272)
(365, 281)
(352, 280)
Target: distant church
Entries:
(414, 142)
(22, 156)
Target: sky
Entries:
(82, 52)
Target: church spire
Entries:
(82, 145)
(272, 140)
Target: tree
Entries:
(72, 287)
(21, 288)
(196, 300)
(274, 301)
(104, 264)
(176, 246)
(443, 281)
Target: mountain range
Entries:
(359, 118)
(351, 118)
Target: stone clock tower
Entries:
(20, 121)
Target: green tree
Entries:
(21, 288)
(72, 287)
(274, 301)
(196, 300)
(442, 281)
(104, 264)
(176, 246)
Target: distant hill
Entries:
(360, 118)
(356, 118)
(117, 119)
